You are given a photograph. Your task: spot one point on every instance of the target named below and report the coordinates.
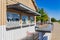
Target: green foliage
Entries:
(43, 17)
(58, 21)
(37, 18)
(53, 20)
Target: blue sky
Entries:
(52, 7)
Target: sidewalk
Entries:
(56, 32)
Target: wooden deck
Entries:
(56, 32)
(33, 36)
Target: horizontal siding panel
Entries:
(25, 2)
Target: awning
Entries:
(21, 7)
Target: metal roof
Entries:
(21, 7)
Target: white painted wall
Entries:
(2, 32)
(15, 34)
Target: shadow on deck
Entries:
(33, 36)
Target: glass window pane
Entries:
(11, 16)
(24, 19)
(31, 19)
(16, 17)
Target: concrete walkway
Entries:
(56, 32)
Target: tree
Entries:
(58, 20)
(53, 20)
(43, 17)
(38, 18)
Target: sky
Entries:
(51, 7)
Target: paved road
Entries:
(56, 32)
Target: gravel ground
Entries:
(56, 32)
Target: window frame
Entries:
(14, 22)
(26, 24)
(32, 23)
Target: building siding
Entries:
(2, 12)
(25, 2)
(18, 33)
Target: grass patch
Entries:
(59, 22)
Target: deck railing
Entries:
(47, 28)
